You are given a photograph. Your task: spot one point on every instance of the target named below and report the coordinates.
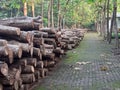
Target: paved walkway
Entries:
(91, 66)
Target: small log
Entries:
(37, 75)
(1, 86)
(17, 50)
(37, 53)
(50, 42)
(3, 42)
(40, 64)
(40, 34)
(3, 69)
(28, 69)
(50, 64)
(32, 61)
(38, 41)
(48, 30)
(7, 30)
(25, 37)
(3, 51)
(23, 62)
(28, 78)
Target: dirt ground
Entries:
(90, 66)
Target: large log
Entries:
(26, 48)
(28, 69)
(28, 78)
(7, 30)
(17, 50)
(3, 69)
(24, 23)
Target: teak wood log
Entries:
(3, 69)
(28, 78)
(3, 42)
(28, 69)
(32, 61)
(17, 50)
(7, 30)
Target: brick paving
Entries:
(84, 71)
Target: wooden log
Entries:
(26, 23)
(23, 62)
(40, 34)
(28, 78)
(1, 86)
(12, 87)
(3, 69)
(17, 50)
(37, 75)
(58, 50)
(3, 51)
(48, 30)
(3, 42)
(25, 36)
(49, 56)
(7, 30)
(28, 69)
(37, 53)
(32, 61)
(40, 64)
(50, 42)
(38, 41)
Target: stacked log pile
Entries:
(28, 52)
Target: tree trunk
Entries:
(49, 14)
(28, 69)
(52, 1)
(33, 8)
(25, 8)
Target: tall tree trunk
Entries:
(108, 3)
(49, 10)
(33, 8)
(115, 25)
(42, 12)
(58, 24)
(25, 8)
(52, 4)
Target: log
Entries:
(3, 42)
(50, 42)
(37, 53)
(23, 62)
(17, 50)
(50, 64)
(1, 86)
(13, 87)
(26, 48)
(24, 23)
(40, 34)
(37, 75)
(7, 30)
(3, 51)
(32, 61)
(48, 30)
(38, 41)
(49, 56)
(25, 37)
(40, 64)
(58, 51)
(28, 78)
(3, 69)
(28, 69)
